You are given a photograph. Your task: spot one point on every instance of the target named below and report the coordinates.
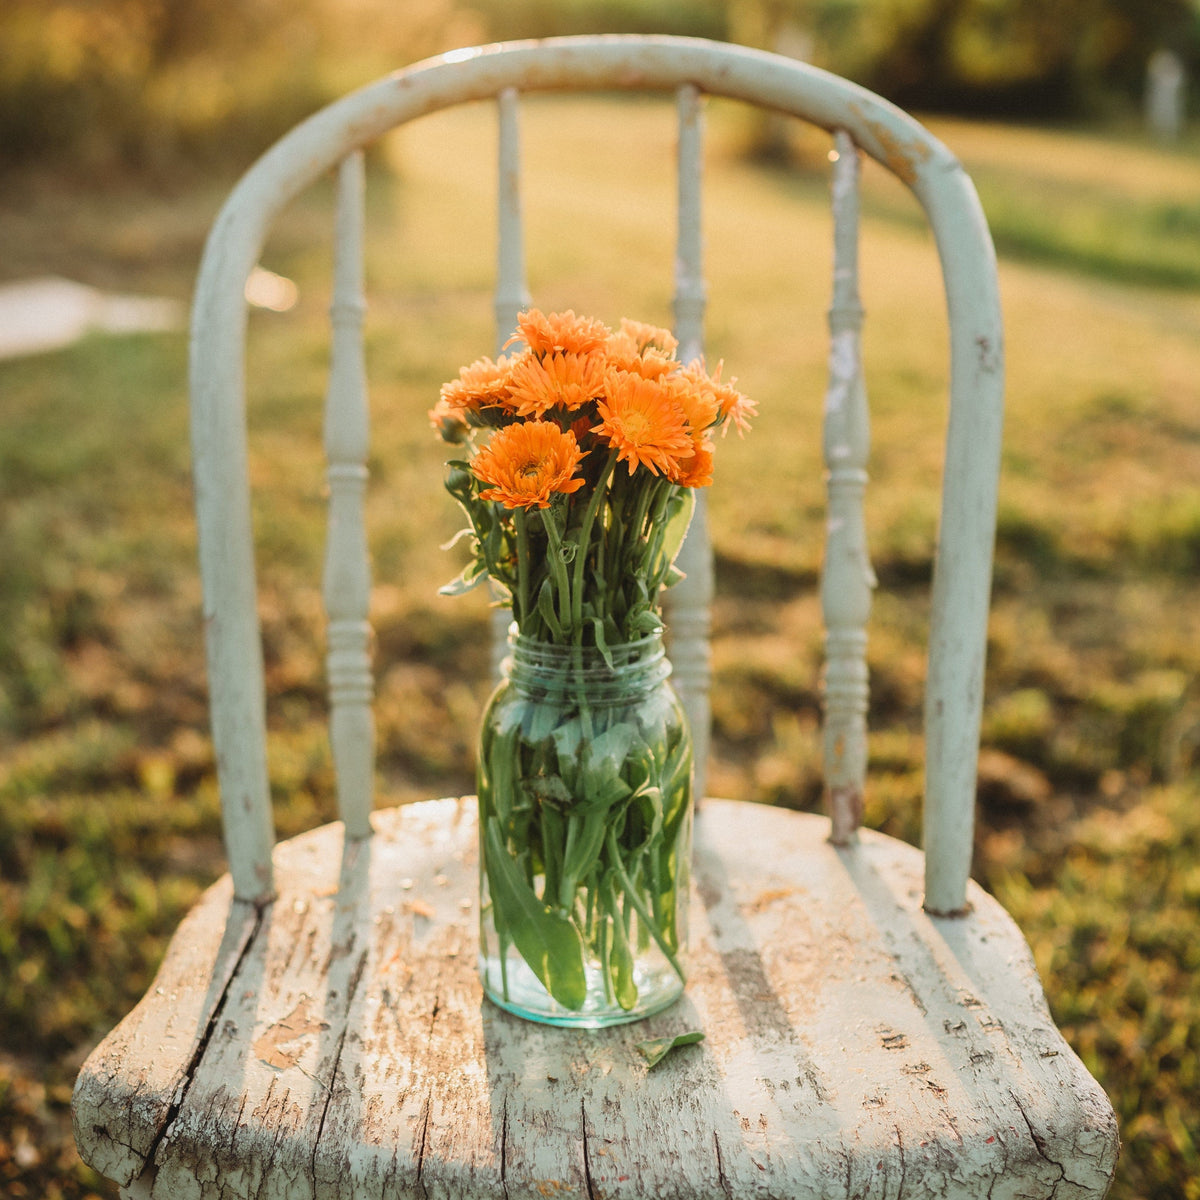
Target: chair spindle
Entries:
(847, 578)
(347, 582)
(689, 603)
(512, 292)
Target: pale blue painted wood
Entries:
(846, 576)
(963, 571)
(347, 583)
(512, 291)
(687, 606)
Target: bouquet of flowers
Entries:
(585, 447)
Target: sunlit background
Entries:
(123, 124)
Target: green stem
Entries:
(567, 885)
(562, 585)
(585, 533)
(520, 519)
(657, 532)
(636, 900)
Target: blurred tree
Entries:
(552, 18)
(1010, 57)
(1026, 57)
(156, 84)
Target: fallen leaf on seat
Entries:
(656, 1049)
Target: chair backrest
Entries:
(857, 120)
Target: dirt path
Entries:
(49, 313)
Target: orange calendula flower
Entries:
(559, 333)
(696, 471)
(622, 352)
(648, 337)
(482, 384)
(645, 425)
(527, 463)
(736, 409)
(565, 381)
(696, 395)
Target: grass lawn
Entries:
(1089, 826)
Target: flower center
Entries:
(636, 424)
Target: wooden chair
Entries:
(874, 1023)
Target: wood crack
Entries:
(337, 1058)
(419, 1184)
(1041, 1145)
(726, 1186)
(504, 1148)
(203, 1041)
(426, 1113)
(351, 988)
(587, 1166)
(271, 1155)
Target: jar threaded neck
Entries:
(620, 671)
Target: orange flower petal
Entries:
(697, 471)
(696, 394)
(736, 409)
(646, 337)
(566, 381)
(622, 353)
(528, 462)
(642, 421)
(562, 333)
(479, 385)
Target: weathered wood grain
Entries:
(128, 1090)
(854, 1045)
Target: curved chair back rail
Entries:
(962, 573)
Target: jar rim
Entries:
(641, 663)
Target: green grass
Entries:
(1088, 827)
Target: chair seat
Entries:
(337, 1042)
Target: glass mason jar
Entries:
(585, 834)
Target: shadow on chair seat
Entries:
(854, 1045)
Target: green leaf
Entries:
(545, 607)
(656, 1049)
(682, 505)
(650, 801)
(567, 737)
(602, 641)
(646, 622)
(466, 531)
(546, 940)
(584, 848)
(468, 581)
(497, 778)
(550, 788)
(608, 753)
(621, 956)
